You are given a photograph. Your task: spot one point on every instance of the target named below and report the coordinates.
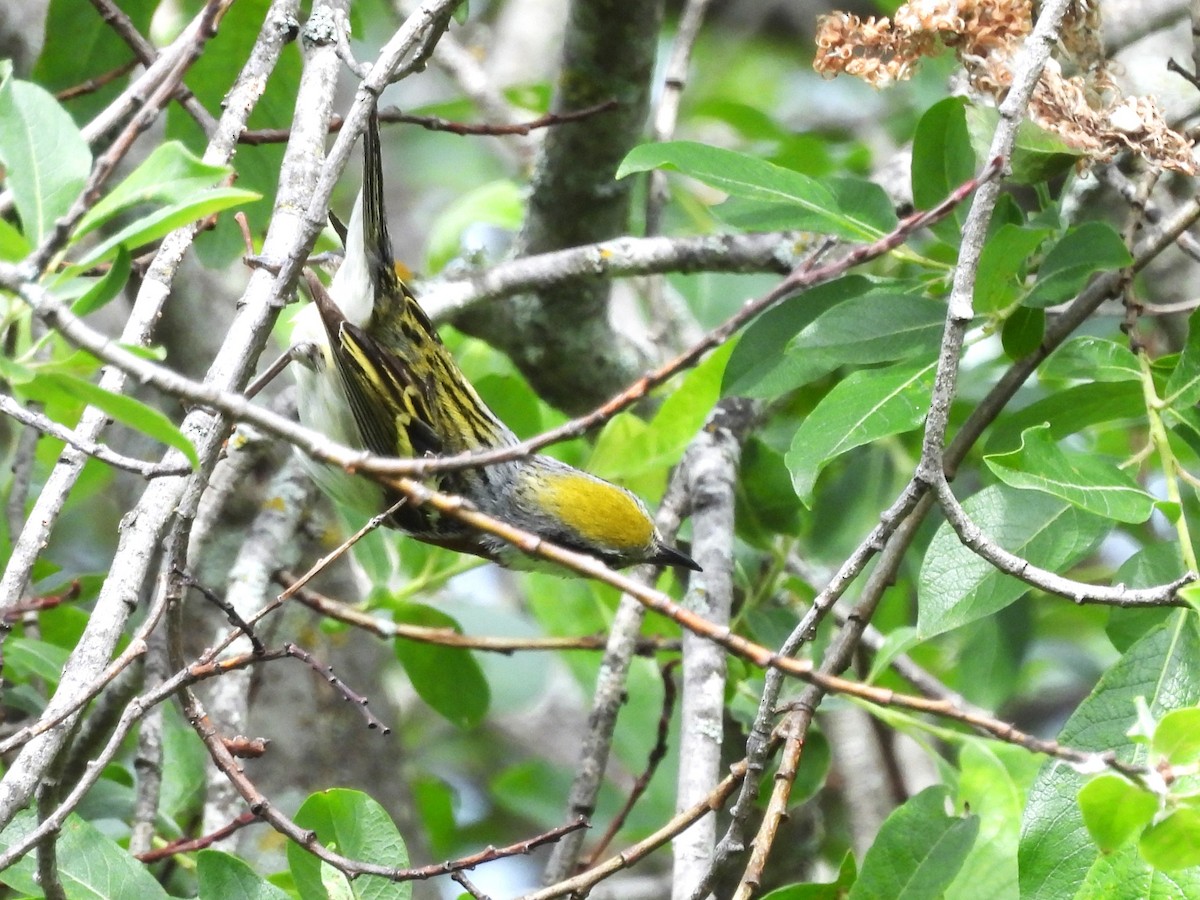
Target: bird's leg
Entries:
(302, 353)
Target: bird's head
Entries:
(588, 514)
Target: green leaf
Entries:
(740, 175)
(1183, 387)
(872, 208)
(163, 221)
(1082, 479)
(637, 454)
(834, 890)
(942, 154)
(898, 641)
(1038, 156)
(1156, 563)
(90, 865)
(759, 367)
(221, 876)
(990, 652)
(1058, 857)
(46, 158)
(335, 884)
(13, 245)
(434, 801)
(749, 120)
(1002, 265)
(14, 373)
(1144, 726)
(956, 586)
(942, 159)
(918, 851)
(766, 504)
(447, 678)
(124, 409)
(1115, 810)
(1174, 842)
(26, 658)
(1089, 358)
(185, 765)
(1023, 332)
(866, 406)
(1125, 873)
(872, 328)
(1178, 737)
(106, 288)
(993, 782)
(171, 175)
(870, 205)
(1082, 252)
(1071, 410)
(354, 825)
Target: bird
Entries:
(376, 375)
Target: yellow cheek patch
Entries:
(601, 513)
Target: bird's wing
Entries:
(389, 405)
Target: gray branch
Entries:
(975, 540)
(711, 467)
(37, 422)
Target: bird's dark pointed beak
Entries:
(669, 556)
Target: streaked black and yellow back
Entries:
(406, 392)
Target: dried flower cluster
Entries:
(1085, 111)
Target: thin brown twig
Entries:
(795, 726)
(232, 615)
(448, 637)
(467, 885)
(657, 753)
(580, 884)
(490, 854)
(1112, 176)
(313, 571)
(975, 540)
(135, 710)
(94, 84)
(1190, 77)
(793, 731)
(39, 604)
(463, 65)
(190, 845)
(326, 672)
(435, 123)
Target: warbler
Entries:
(377, 376)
